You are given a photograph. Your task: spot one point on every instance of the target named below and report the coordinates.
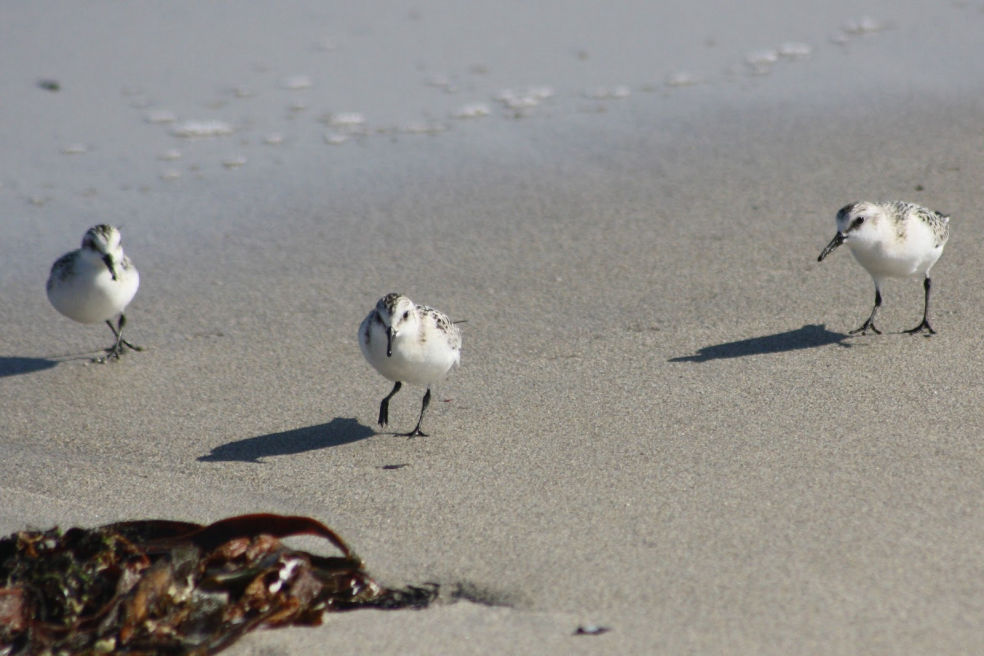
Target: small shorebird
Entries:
(95, 283)
(411, 343)
(892, 240)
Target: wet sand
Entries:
(660, 425)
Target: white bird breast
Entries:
(412, 361)
(90, 295)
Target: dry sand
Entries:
(660, 425)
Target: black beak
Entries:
(108, 261)
(389, 343)
(838, 239)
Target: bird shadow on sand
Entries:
(809, 336)
(14, 366)
(300, 440)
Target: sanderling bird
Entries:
(411, 343)
(892, 240)
(95, 283)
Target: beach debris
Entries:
(760, 61)
(440, 81)
(160, 116)
(234, 162)
(423, 127)
(681, 79)
(345, 120)
(762, 57)
(857, 27)
(591, 629)
(296, 82)
(75, 149)
(608, 93)
(49, 85)
(524, 98)
(472, 110)
(794, 50)
(863, 25)
(334, 138)
(343, 125)
(162, 586)
(207, 128)
(169, 155)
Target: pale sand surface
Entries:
(660, 425)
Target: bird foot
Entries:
(416, 432)
(923, 327)
(115, 351)
(865, 327)
(112, 353)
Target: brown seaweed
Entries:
(170, 587)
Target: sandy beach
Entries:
(660, 426)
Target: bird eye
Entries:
(406, 315)
(858, 221)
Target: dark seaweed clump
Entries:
(167, 587)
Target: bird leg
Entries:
(870, 322)
(116, 350)
(385, 404)
(416, 432)
(925, 320)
